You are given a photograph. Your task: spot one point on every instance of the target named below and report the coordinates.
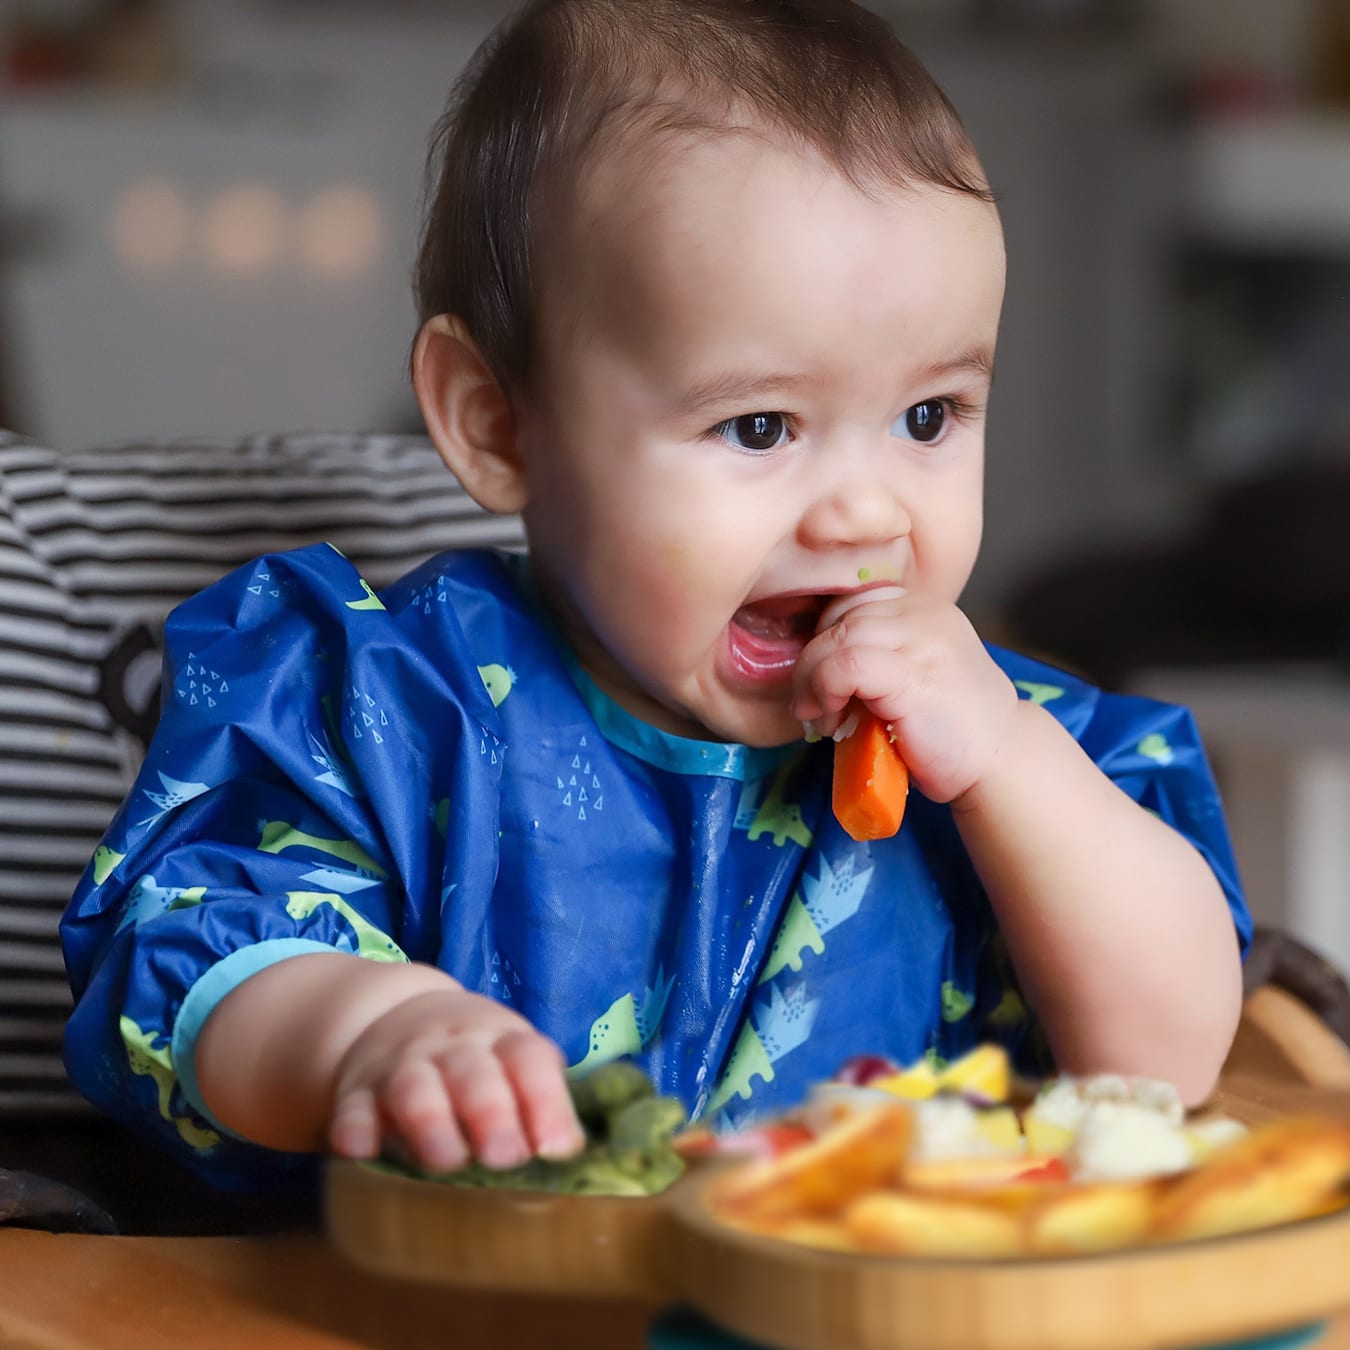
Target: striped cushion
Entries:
(95, 548)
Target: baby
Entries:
(710, 291)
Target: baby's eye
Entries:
(756, 432)
(924, 422)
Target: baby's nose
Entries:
(864, 512)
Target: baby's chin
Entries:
(758, 720)
(760, 727)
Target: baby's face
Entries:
(758, 389)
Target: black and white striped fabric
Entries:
(95, 548)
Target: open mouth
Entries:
(767, 637)
(785, 618)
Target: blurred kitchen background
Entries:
(208, 212)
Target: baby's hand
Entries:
(451, 1076)
(920, 667)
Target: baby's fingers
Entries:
(534, 1067)
(354, 1131)
(839, 674)
(485, 1104)
(418, 1109)
(877, 599)
(824, 678)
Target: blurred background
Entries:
(208, 211)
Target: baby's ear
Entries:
(468, 414)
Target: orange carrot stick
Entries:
(871, 781)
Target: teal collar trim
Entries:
(676, 754)
(660, 749)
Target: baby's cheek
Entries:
(680, 584)
(678, 559)
(683, 564)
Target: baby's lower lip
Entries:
(758, 659)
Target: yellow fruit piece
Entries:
(1090, 1218)
(901, 1224)
(1200, 1148)
(1000, 1128)
(980, 1173)
(1205, 1138)
(1283, 1171)
(915, 1083)
(1051, 1141)
(984, 1070)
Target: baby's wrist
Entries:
(1006, 767)
(367, 993)
(385, 987)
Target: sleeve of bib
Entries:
(272, 818)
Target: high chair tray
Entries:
(671, 1247)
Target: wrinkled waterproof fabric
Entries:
(428, 776)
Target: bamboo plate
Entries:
(1190, 1294)
(499, 1239)
(671, 1248)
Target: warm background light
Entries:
(245, 228)
(149, 224)
(341, 231)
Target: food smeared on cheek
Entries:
(866, 574)
(679, 566)
(682, 576)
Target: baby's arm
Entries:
(1119, 929)
(329, 1050)
(241, 942)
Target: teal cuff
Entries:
(212, 986)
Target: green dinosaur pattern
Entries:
(277, 836)
(191, 898)
(156, 1062)
(1010, 1012)
(778, 817)
(372, 601)
(955, 1003)
(748, 1059)
(797, 933)
(105, 860)
(1156, 748)
(371, 944)
(613, 1034)
(498, 681)
(1039, 694)
(822, 904)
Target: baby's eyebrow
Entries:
(734, 388)
(978, 361)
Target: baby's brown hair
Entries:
(562, 78)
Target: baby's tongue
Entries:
(785, 618)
